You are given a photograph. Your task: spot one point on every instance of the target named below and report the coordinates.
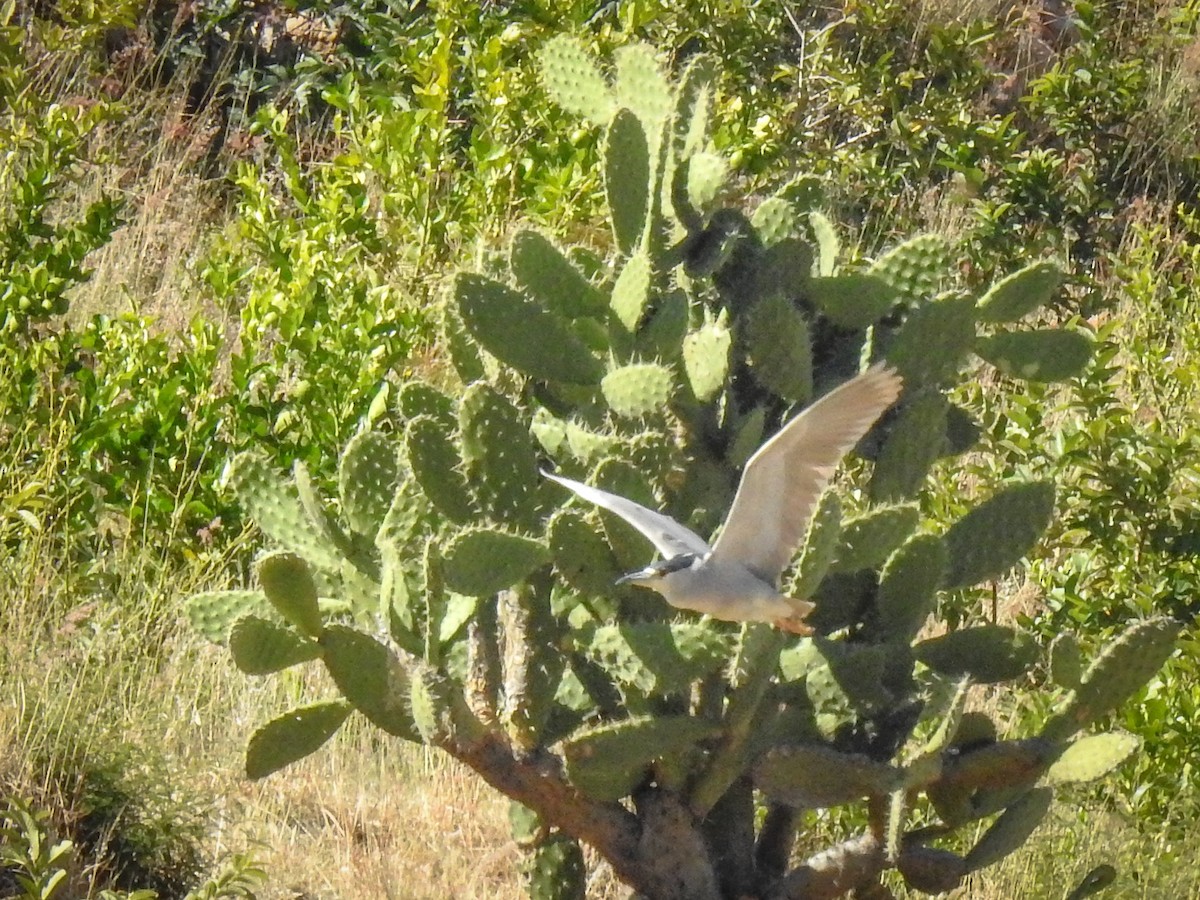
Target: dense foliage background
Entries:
(226, 226)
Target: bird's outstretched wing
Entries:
(665, 533)
(783, 481)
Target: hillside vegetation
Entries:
(229, 228)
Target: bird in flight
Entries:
(737, 578)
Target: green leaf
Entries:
(288, 583)
(1015, 296)
(260, 646)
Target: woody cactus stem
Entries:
(458, 599)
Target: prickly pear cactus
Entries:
(459, 599)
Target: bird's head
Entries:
(654, 574)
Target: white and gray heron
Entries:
(737, 578)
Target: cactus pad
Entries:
(852, 301)
(1119, 671)
(497, 449)
(609, 761)
(1051, 354)
(293, 736)
(573, 79)
(481, 561)
(278, 512)
(655, 658)
(212, 614)
(1017, 295)
(1091, 757)
(812, 776)
(642, 88)
(987, 653)
(915, 441)
(908, 586)
(631, 293)
(869, 539)
(288, 583)
(627, 179)
(260, 646)
(991, 538)
(706, 358)
(933, 343)
(916, 267)
(367, 479)
(550, 278)
(820, 547)
(1065, 661)
(706, 176)
(416, 398)
(437, 468)
(523, 334)
(371, 677)
(638, 390)
(780, 348)
(581, 555)
(774, 221)
(829, 246)
(1011, 830)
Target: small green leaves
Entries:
(288, 583)
(293, 736)
(523, 334)
(1091, 757)
(991, 538)
(987, 653)
(482, 561)
(1051, 354)
(1015, 296)
(573, 79)
(608, 762)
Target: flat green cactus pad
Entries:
(481, 561)
(908, 586)
(627, 171)
(1017, 295)
(987, 653)
(367, 478)
(550, 278)
(371, 677)
(638, 390)
(991, 538)
(260, 646)
(573, 79)
(293, 736)
(1050, 354)
(915, 441)
(706, 358)
(819, 777)
(916, 268)
(213, 613)
(869, 539)
(1091, 757)
(288, 583)
(852, 301)
(1011, 830)
(523, 334)
(609, 761)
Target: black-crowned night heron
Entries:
(737, 578)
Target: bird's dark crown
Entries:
(675, 563)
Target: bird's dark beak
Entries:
(638, 577)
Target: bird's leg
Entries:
(793, 624)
